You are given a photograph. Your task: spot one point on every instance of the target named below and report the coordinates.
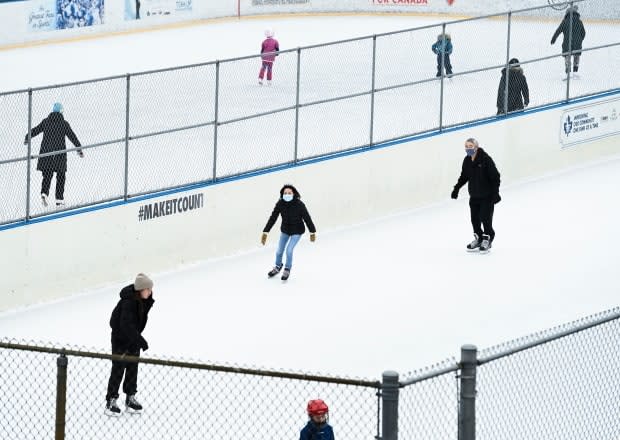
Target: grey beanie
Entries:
(142, 282)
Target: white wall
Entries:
(15, 16)
(56, 258)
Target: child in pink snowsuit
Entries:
(269, 52)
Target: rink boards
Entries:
(61, 255)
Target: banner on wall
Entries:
(280, 2)
(401, 2)
(589, 122)
(144, 9)
(51, 15)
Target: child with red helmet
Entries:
(317, 427)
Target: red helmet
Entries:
(317, 407)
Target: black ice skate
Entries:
(273, 272)
(286, 274)
(132, 404)
(485, 246)
(112, 409)
(474, 245)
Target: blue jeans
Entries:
(292, 241)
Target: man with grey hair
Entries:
(483, 179)
(128, 321)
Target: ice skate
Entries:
(485, 246)
(285, 274)
(269, 82)
(260, 82)
(474, 246)
(112, 409)
(273, 272)
(44, 199)
(60, 202)
(132, 405)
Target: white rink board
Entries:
(56, 258)
(16, 17)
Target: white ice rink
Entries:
(396, 293)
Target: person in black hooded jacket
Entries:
(294, 214)
(518, 91)
(54, 129)
(574, 33)
(128, 321)
(483, 180)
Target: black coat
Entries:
(481, 176)
(294, 214)
(518, 91)
(128, 320)
(576, 36)
(54, 129)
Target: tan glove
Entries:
(263, 238)
(313, 237)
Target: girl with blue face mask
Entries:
(295, 217)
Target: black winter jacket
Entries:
(482, 177)
(518, 91)
(576, 36)
(294, 214)
(54, 129)
(129, 319)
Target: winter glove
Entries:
(552, 41)
(263, 238)
(143, 344)
(313, 237)
(455, 193)
(495, 198)
(80, 153)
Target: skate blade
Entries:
(109, 413)
(133, 411)
(485, 252)
(472, 250)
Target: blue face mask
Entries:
(287, 197)
(470, 151)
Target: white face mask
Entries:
(287, 197)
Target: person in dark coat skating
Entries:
(294, 214)
(574, 33)
(54, 129)
(483, 180)
(128, 321)
(518, 91)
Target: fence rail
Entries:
(161, 129)
(557, 383)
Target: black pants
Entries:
(60, 183)
(446, 60)
(119, 368)
(482, 215)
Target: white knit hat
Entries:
(142, 282)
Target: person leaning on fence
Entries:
(518, 91)
(128, 320)
(317, 427)
(574, 33)
(443, 48)
(54, 129)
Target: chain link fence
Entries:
(556, 384)
(150, 131)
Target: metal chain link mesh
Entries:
(429, 409)
(157, 130)
(179, 403)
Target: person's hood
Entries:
(513, 69)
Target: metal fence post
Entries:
(389, 394)
(61, 396)
(443, 33)
(127, 91)
(467, 400)
(372, 90)
(507, 64)
(295, 153)
(28, 160)
(216, 117)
